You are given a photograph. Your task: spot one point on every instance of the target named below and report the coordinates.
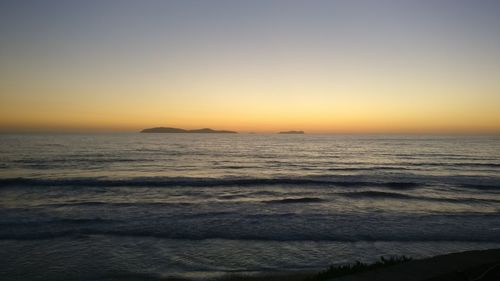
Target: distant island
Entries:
(292, 132)
(177, 130)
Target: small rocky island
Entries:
(292, 133)
(169, 130)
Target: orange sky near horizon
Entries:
(386, 100)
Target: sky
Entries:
(347, 66)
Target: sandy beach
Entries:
(470, 265)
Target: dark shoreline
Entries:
(479, 265)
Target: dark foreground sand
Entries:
(471, 266)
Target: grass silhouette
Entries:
(357, 267)
(333, 271)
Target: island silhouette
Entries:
(292, 132)
(177, 130)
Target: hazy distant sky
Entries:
(319, 66)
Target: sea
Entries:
(198, 206)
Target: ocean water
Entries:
(98, 207)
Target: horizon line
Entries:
(249, 132)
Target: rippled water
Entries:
(97, 206)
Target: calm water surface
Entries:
(90, 207)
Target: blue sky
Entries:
(312, 64)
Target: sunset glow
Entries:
(260, 66)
